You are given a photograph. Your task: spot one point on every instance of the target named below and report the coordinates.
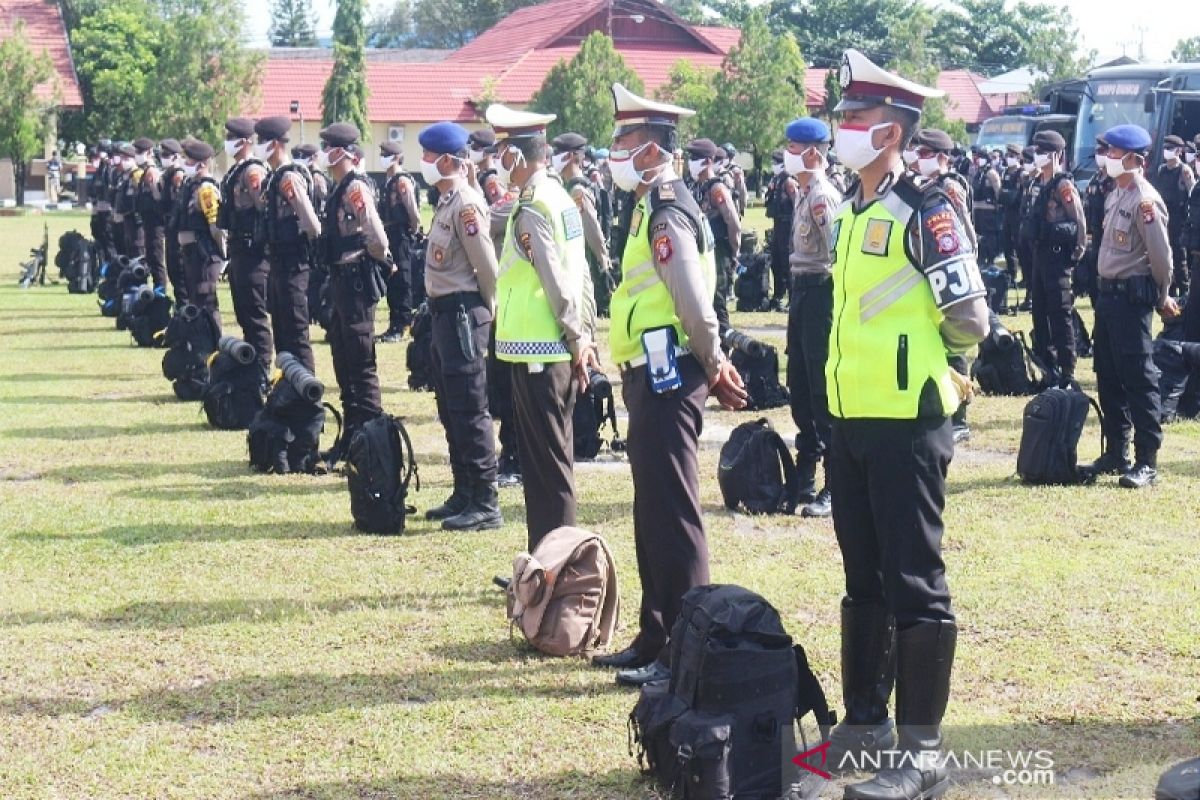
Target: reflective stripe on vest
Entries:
(527, 328)
(641, 302)
(885, 346)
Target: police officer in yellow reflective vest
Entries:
(545, 317)
(906, 290)
(664, 339)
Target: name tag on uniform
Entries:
(875, 240)
(635, 223)
(572, 223)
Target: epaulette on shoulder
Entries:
(664, 193)
(527, 194)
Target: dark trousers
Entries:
(1126, 378)
(1176, 222)
(888, 479)
(545, 405)
(352, 342)
(154, 241)
(500, 403)
(101, 226)
(1009, 242)
(725, 261)
(116, 234)
(987, 229)
(460, 385)
(201, 274)
(248, 270)
(781, 248)
(131, 236)
(1053, 301)
(287, 299)
(810, 317)
(175, 271)
(1191, 312)
(668, 523)
(399, 284)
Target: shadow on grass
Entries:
(89, 473)
(166, 533)
(68, 400)
(613, 785)
(184, 614)
(47, 331)
(240, 489)
(500, 651)
(75, 433)
(34, 348)
(47, 377)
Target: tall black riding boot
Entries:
(924, 659)
(868, 671)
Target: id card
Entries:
(662, 370)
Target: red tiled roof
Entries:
(526, 29)
(45, 30)
(722, 38)
(963, 100)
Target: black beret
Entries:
(1027, 152)
(391, 149)
(701, 148)
(340, 134)
(482, 139)
(197, 150)
(1173, 141)
(722, 153)
(127, 150)
(241, 127)
(568, 142)
(305, 151)
(1013, 150)
(143, 144)
(934, 139)
(170, 146)
(270, 129)
(777, 155)
(1051, 141)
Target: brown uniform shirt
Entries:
(460, 256)
(1135, 236)
(296, 204)
(593, 234)
(721, 198)
(358, 213)
(247, 192)
(1067, 205)
(812, 219)
(404, 192)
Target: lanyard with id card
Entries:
(662, 369)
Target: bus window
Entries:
(1185, 120)
(1110, 102)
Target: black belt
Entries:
(454, 300)
(811, 279)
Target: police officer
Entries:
(985, 187)
(460, 280)
(810, 314)
(101, 221)
(398, 208)
(1058, 240)
(124, 193)
(715, 198)
(1191, 311)
(290, 229)
(482, 174)
(149, 217)
(1010, 210)
(780, 203)
(116, 172)
(1135, 273)
(1095, 196)
(663, 318)
(734, 175)
(201, 240)
(499, 373)
(891, 393)
(306, 156)
(241, 188)
(170, 188)
(567, 161)
(545, 317)
(1174, 181)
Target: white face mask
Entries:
(387, 161)
(1100, 159)
(854, 147)
(794, 163)
(262, 150)
(1029, 167)
(1115, 167)
(559, 161)
(304, 162)
(476, 155)
(1012, 161)
(140, 159)
(232, 146)
(503, 174)
(430, 171)
(1042, 160)
(625, 175)
(189, 170)
(929, 166)
(695, 167)
(776, 169)
(128, 164)
(910, 157)
(1171, 154)
(1189, 157)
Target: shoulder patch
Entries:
(527, 193)
(666, 192)
(1147, 209)
(572, 223)
(663, 249)
(288, 187)
(717, 193)
(659, 227)
(357, 198)
(254, 178)
(470, 220)
(1066, 191)
(526, 244)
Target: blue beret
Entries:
(444, 137)
(1128, 137)
(807, 130)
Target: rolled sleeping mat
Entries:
(304, 382)
(240, 351)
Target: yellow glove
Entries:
(963, 386)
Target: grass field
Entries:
(175, 626)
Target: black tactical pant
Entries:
(888, 479)
(131, 236)
(724, 256)
(1176, 221)
(101, 226)
(668, 523)
(116, 234)
(545, 408)
(354, 296)
(460, 384)
(1191, 312)
(153, 239)
(175, 270)
(1126, 378)
(248, 270)
(399, 285)
(781, 248)
(810, 317)
(201, 273)
(287, 296)
(500, 404)
(1053, 301)
(1009, 242)
(987, 229)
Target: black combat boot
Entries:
(821, 506)
(807, 472)
(395, 331)
(958, 425)
(924, 658)
(456, 503)
(1143, 472)
(868, 670)
(1115, 460)
(481, 513)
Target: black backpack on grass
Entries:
(1180, 782)
(379, 467)
(752, 286)
(191, 336)
(419, 357)
(234, 393)
(758, 364)
(285, 435)
(723, 725)
(593, 410)
(1006, 365)
(149, 318)
(1053, 425)
(756, 471)
(108, 290)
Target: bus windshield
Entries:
(996, 133)
(1107, 103)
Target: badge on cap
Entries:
(845, 76)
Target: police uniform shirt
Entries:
(358, 213)
(500, 211)
(403, 192)
(460, 256)
(151, 181)
(296, 203)
(1184, 176)
(207, 200)
(1135, 236)
(247, 190)
(535, 239)
(1064, 206)
(959, 194)
(593, 234)
(992, 178)
(673, 242)
(321, 187)
(719, 201)
(812, 222)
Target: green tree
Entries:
(1186, 50)
(116, 51)
(691, 87)
(453, 23)
(759, 90)
(292, 24)
(915, 60)
(24, 115)
(345, 96)
(391, 26)
(578, 90)
(825, 28)
(692, 11)
(833, 92)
